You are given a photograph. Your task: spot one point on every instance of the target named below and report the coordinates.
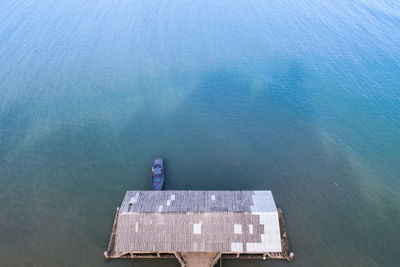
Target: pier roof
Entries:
(196, 221)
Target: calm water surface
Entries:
(299, 97)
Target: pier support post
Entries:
(179, 258)
(217, 257)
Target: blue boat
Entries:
(157, 172)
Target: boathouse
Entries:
(199, 227)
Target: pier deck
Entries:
(199, 227)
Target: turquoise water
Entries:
(299, 97)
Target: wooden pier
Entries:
(199, 227)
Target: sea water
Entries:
(298, 97)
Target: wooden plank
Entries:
(111, 244)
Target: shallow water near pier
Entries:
(301, 98)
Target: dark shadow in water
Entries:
(289, 89)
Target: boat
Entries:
(157, 174)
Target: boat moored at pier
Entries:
(157, 174)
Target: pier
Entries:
(199, 228)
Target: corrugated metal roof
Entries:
(199, 201)
(198, 221)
